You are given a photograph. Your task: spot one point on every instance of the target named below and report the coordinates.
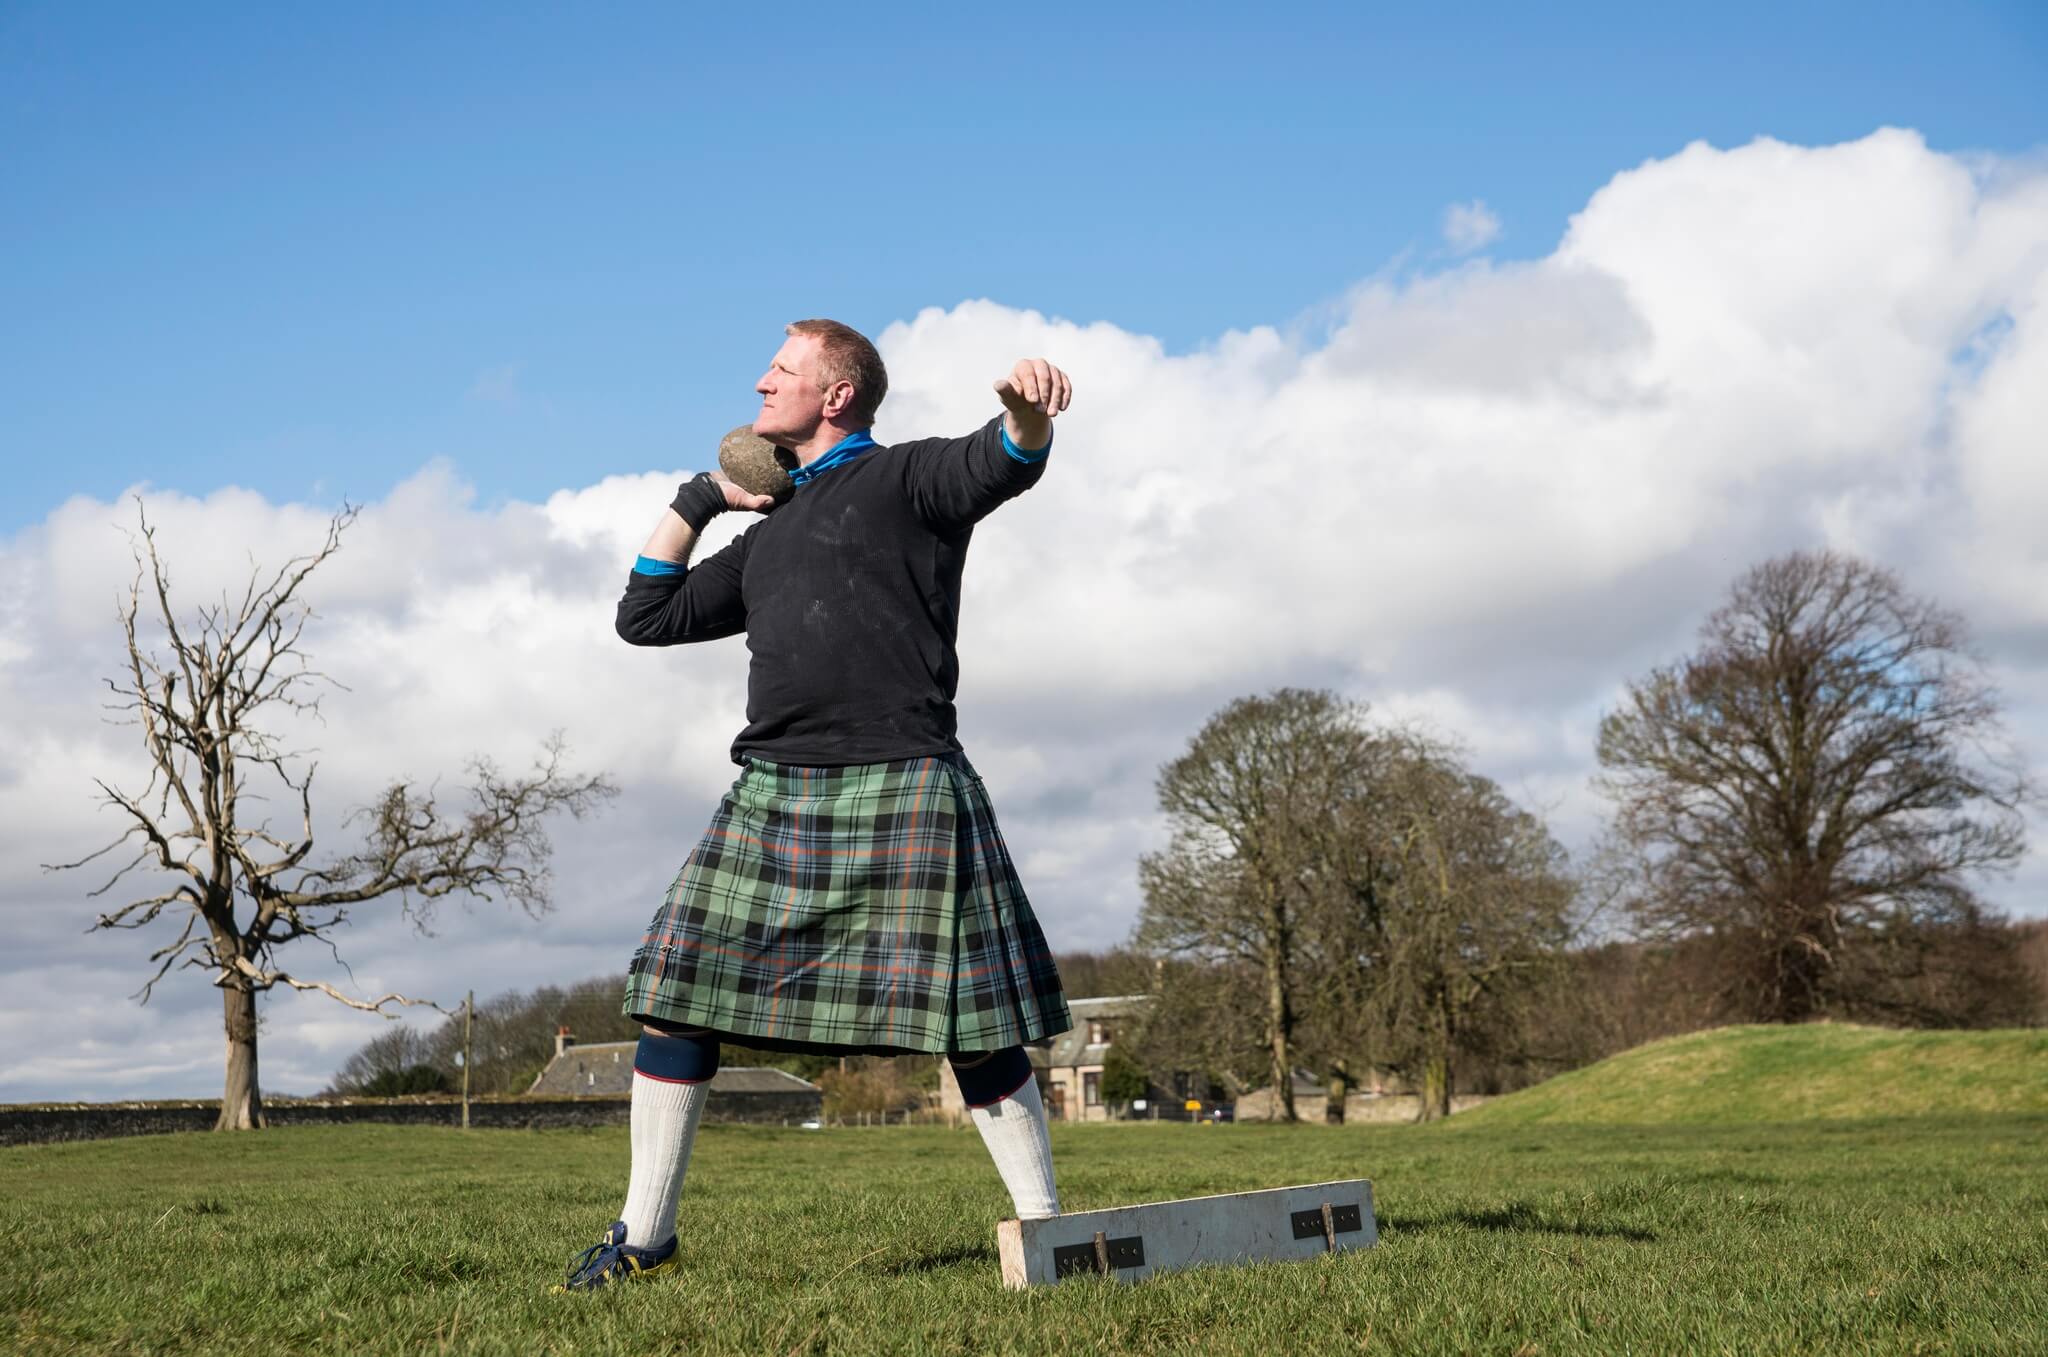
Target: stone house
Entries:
(739, 1093)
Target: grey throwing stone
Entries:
(756, 465)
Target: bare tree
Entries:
(237, 885)
(1823, 768)
(1468, 917)
(1258, 838)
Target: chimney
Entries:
(564, 1039)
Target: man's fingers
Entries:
(1034, 384)
(736, 498)
(1016, 392)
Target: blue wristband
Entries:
(1018, 454)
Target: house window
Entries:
(1098, 1034)
(1091, 1088)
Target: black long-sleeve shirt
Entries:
(849, 595)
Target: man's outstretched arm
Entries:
(955, 482)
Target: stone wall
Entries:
(95, 1121)
(1358, 1107)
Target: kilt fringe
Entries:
(865, 909)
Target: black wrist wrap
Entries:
(699, 500)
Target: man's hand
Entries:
(736, 498)
(675, 536)
(1033, 395)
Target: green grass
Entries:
(1752, 1075)
(1923, 1235)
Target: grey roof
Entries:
(1072, 1046)
(759, 1079)
(605, 1068)
(1109, 1005)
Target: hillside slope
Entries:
(1822, 1071)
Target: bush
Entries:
(1123, 1080)
(411, 1079)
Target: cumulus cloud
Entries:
(1470, 226)
(1484, 497)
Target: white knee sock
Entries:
(1014, 1131)
(665, 1117)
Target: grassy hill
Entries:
(1820, 1072)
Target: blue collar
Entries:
(839, 454)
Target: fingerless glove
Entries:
(699, 500)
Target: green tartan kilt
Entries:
(866, 909)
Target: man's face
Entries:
(792, 406)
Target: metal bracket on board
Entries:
(1329, 1222)
(1101, 1255)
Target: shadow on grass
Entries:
(1514, 1218)
(932, 1262)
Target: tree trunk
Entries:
(1436, 1088)
(1800, 975)
(1339, 1081)
(241, 1103)
(1279, 1020)
(1436, 1066)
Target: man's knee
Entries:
(992, 1076)
(676, 1055)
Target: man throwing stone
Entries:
(853, 893)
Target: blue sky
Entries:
(306, 250)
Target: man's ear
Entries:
(838, 398)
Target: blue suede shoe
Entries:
(611, 1259)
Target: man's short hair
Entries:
(845, 355)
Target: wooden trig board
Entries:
(1133, 1242)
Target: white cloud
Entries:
(1470, 226)
(1485, 497)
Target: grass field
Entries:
(1821, 1071)
(1912, 1235)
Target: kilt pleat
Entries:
(865, 909)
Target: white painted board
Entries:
(1237, 1227)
